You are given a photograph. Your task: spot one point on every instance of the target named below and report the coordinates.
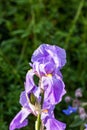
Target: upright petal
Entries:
(41, 69)
(29, 83)
(45, 52)
(23, 100)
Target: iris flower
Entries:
(50, 97)
(47, 115)
(47, 59)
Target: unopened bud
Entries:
(76, 103)
(32, 99)
(81, 110)
(67, 99)
(82, 113)
(78, 92)
(83, 116)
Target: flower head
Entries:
(78, 92)
(40, 100)
(70, 110)
(47, 58)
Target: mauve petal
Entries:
(29, 83)
(23, 100)
(54, 88)
(47, 52)
(20, 119)
(39, 68)
(44, 68)
(50, 66)
(36, 92)
(53, 124)
(39, 54)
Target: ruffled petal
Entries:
(45, 68)
(46, 52)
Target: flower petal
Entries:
(53, 124)
(54, 88)
(23, 100)
(20, 119)
(44, 68)
(29, 83)
(45, 52)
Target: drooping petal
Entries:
(20, 120)
(53, 124)
(54, 88)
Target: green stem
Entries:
(38, 122)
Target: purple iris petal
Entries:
(70, 110)
(20, 120)
(53, 124)
(23, 100)
(29, 83)
(47, 67)
(54, 88)
(49, 120)
(47, 52)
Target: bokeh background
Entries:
(24, 25)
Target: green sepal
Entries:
(32, 99)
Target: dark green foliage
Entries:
(24, 25)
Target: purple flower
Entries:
(47, 114)
(40, 99)
(70, 110)
(47, 59)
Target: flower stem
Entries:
(38, 122)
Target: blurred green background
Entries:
(24, 25)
